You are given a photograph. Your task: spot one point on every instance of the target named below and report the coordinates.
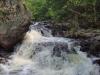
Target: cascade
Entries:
(42, 54)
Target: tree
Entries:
(62, 10)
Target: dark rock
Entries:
(91, 46)
(60, 48)
(4, 53)
(3, 60)
(95, 46)
(85, 45)
(97, 62)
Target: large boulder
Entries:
(14, 22)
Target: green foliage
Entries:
(62, 9)
(37, 7)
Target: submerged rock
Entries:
(14, 22)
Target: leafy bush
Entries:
(62, 9)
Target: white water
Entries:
(40, 55)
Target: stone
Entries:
(91, 46)
(14, 22)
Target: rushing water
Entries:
(42, 54)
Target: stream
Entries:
(42, 54)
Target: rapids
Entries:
(42, 54)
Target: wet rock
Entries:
(61, 48)
(3, 60)
(14, 22)
(91, 46)
(95, 46)
(85, 45)
(97, 62)
(4, 53)
(43, 27)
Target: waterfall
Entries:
(42, 54)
